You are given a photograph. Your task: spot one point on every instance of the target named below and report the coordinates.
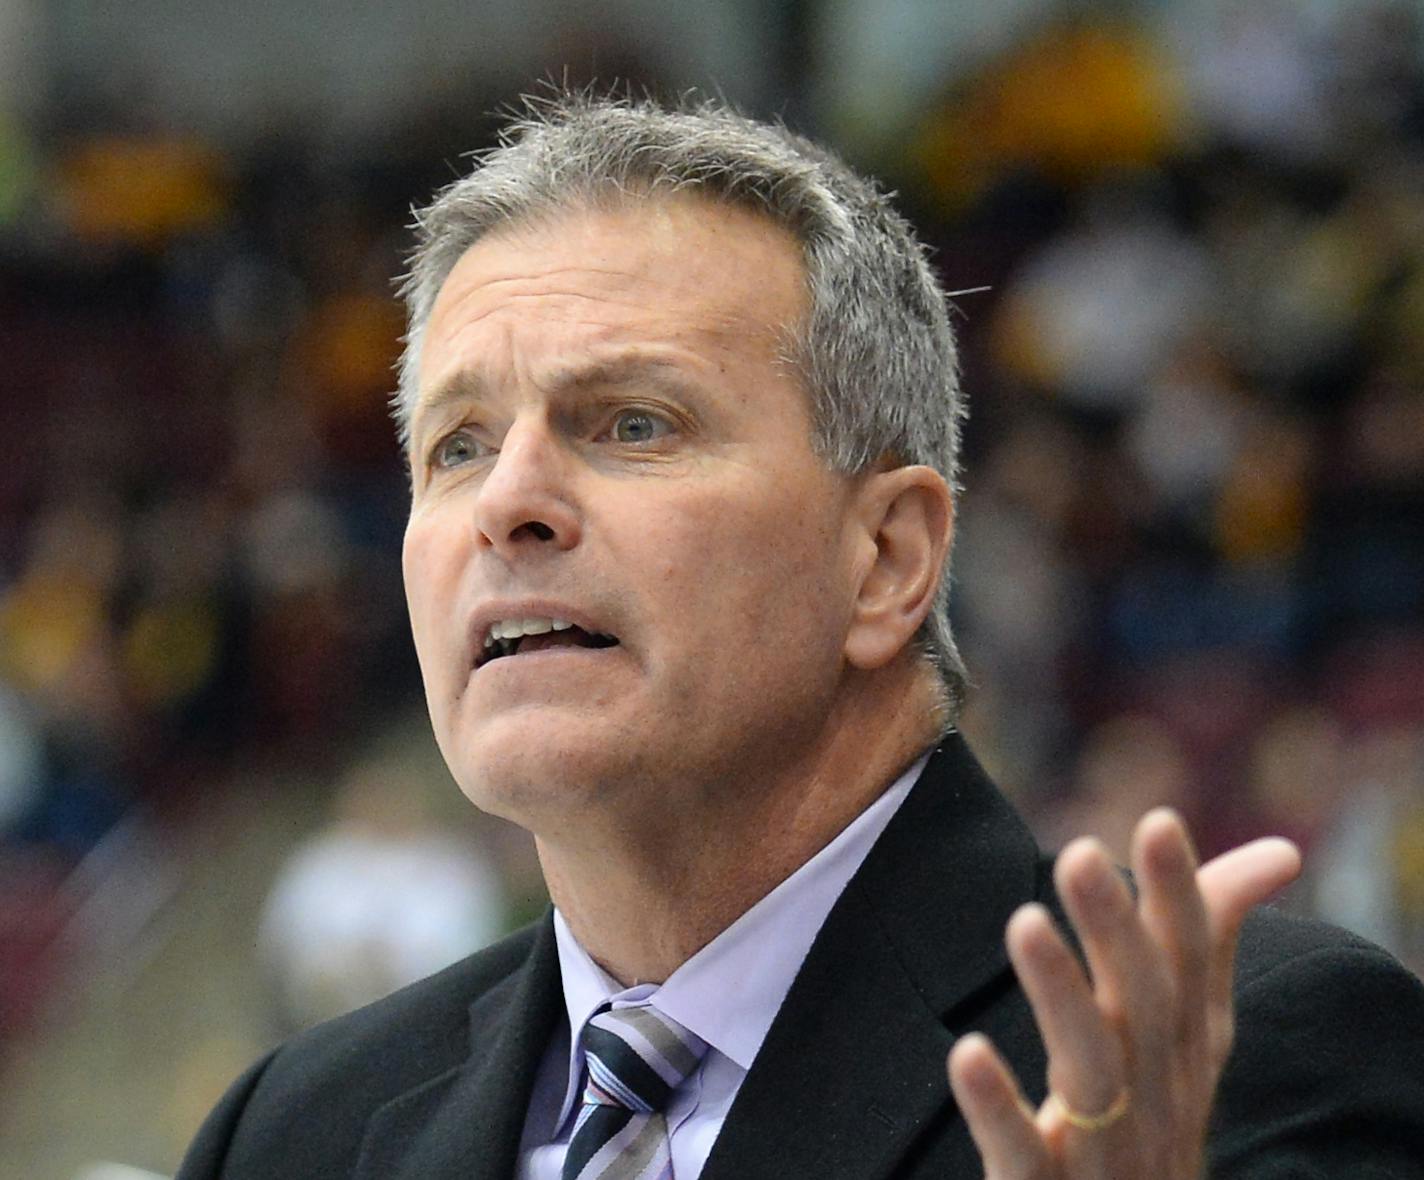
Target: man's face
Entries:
(604, 437)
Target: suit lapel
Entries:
(467, 1122)
(851, 1079)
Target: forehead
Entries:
(678, 269)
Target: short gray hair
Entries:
(876, 352)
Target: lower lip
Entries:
(545, 653)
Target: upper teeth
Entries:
(514, 628)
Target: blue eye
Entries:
(637, 426)
(457, 448)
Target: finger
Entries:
(1085, 1057)
(1127, 970)
(1000, 1120)
(1174, 913)
(1231, 885)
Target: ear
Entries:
(907, 518)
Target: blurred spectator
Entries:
(379, 898)
(1367, 873)
(1297, 773)
(1017, 593)
(1257, 80)
(139, 190)
(1127, 766)
(1186, 432)
(1081, 96)
(1089, 316)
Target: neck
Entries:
(642, 901)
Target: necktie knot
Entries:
(635, 1058)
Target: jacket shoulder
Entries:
(424, 1024)
(307, 1101)
(1324, 1075)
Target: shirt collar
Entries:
(729, 992)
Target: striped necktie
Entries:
(636, 1057)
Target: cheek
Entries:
(741, 573)
(415, 571)
(427, 562)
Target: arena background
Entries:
(1191, 560)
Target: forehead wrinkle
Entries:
(668, 308)
(496, 287)
(693, 330)
(658, 328)
(621, 290)
(635, 365)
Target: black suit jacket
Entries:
(1326, 1079)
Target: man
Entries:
(681, 411)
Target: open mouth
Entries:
(514, 637)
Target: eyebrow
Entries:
(464, 386)
(626, 369)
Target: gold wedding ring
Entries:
(1094, 1122)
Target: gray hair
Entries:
(876, 352)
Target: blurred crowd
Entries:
(200, 501)
(1190, 561)
(1191, 557)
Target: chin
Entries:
(531, 777)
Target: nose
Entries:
(525, 499)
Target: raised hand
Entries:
(1134, 1053)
